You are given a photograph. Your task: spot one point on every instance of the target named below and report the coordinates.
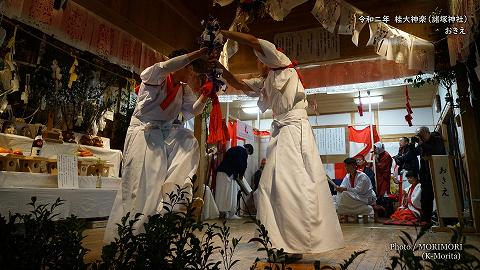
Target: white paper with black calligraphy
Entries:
(398, 46)
(279, 9)
(421, 55)
(331, 141)
(327, 12)
(309, 45)
(444, 192)
(67, 171)
(357, 29)
(379, 31)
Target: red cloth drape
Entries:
(409, 116)
(217, 130)
(261, 133)
(232, 131)
(363, 136)
(360, 105)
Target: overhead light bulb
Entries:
(250, 110)
(367, 100)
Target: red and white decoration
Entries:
(245, 131)
(360, 141)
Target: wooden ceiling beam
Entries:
(123, 23)
(184, 12)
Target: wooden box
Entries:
(30, 165)
(9, 163)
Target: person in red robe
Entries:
(410, 211)
(383, 166)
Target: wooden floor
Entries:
(374, 237)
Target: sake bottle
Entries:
(37, 143)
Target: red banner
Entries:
(363, 136)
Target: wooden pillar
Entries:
(199, 132)
(471, 133)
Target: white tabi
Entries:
(358, 198)
(157, 154)
(293, 199)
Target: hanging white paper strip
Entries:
(279, 9)
(327, 12)
(223, 2)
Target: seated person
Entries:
(410, 211)
(356, 194)
(364, 167)
(258, 174)
(229, 173)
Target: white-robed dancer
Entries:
(356, 193)
(158, 155)
(293, 199)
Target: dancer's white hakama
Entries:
(157, 154)
(293, 199)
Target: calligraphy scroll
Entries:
(331, 141)
(67, 171)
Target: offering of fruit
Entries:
(84, 153)
(18, 152)
(4, 150)
(68, 136)
(86, 140)
(97, 141)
